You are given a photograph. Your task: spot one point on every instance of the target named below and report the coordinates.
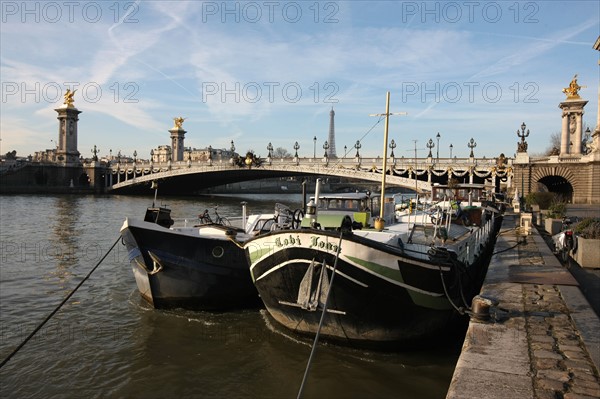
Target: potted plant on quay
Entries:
(587, 252)
(556, 212)
(536, 201)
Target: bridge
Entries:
(417, 174)
(573, 170)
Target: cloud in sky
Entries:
(259, 72)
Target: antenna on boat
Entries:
(384, 163)
(154, 187)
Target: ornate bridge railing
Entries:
(411, 173)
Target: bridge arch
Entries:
(557, 179)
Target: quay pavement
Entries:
(542, 339)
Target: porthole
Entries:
(217, 252)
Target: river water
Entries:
(106, 342)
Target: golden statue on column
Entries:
(178, 122)
(69, 98)
(572, 91)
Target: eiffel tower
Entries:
(331, 138)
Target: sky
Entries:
(264, 72)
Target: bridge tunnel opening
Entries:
(558, 185)
(84, 180)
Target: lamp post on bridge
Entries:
(345, 150)
(270, 152)
(314, 147)
(451, 147)
(357, 146)
(231, 152)
(392, 146)
(522, 146)
(95, 151)
(325, 147)
(472, 144)
(430, 144)
(296, 147)
(437, 151)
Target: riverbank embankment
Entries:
(542, 339)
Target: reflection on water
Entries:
(108, 342)
(64, 243)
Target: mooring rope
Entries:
(460, 310)
(314, 347)
(507, 249)
(22, 344)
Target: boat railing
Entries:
(235, 221)
(472, 247)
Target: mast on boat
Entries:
(385, 146)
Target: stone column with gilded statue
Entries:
(67, 153)
(572, 120)
(177, 137)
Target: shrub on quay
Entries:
(588, 228)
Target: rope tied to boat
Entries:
(22, 344)
(324, 311)
(443, 254)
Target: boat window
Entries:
(364, 206)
